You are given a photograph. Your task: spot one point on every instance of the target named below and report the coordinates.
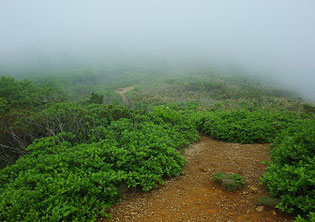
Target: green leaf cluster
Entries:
(245, 126)
(70, 177)
(56, 118)
(290, 174)
(25, 94)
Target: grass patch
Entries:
(267, 201)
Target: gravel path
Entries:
(123, 92)
(194, 197)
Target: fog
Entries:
(273, 39)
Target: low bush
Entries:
(64, 178)
(229, 181)
(245, 126)
(26, 94)
(19, 129)
(310, 218)
(290, 174)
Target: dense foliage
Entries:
(77, 177)
(290, 174)
(19, 129)
(75, 154)
(18, 100)
(245, 126)
(25, 94)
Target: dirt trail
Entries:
(123, 92)
(194, 197)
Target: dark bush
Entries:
(19, 129)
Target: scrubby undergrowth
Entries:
(245, 126)
(69, 178)
(291, 173)
(76, 156)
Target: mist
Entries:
(272, 40)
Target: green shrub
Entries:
(26, 94)
(95, 99)
(245, 126)
(229, 181)
(290, 174)
(19, 129)
(218, 177)
(310, 218)
(64, 178)
(165, 114)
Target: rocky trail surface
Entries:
(193, 196)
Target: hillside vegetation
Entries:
(69, 145)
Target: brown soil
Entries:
(195, 197)
(123, 92)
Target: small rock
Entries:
(260, 208)
(254, 189)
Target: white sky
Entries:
(272, 37)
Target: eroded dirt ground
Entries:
(124, 91)
(194, 197)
